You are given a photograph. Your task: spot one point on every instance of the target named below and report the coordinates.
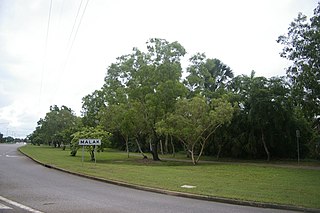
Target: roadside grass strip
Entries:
(298, 187)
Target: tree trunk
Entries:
(192, 156)
(154, 150)
(265, 145)
(201, 151)
(140, 150)
(126, 138)
(92, 155)
(150, 145)
(173, 150)
(161, 147)
(220, 145)
(219, 151)
(127, 145)
(166, 145)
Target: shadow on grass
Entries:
(143, 162)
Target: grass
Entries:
(243, 181)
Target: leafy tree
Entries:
(117, 119)
(301, 46)
(150, 78)
(53, 128)
(9, 139)
(90, 133)
(91, 106)
(260, 109)
(36, 137)
(267, 119)
(194, 121)
(126, 120)
(207, 76)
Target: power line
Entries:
(69, 43)
(73, 36)
(45, 52)
(74, 23)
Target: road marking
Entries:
(19, 205)
(4, 206)
(12, 156)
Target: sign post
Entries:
(95, 154)
(82, 155)
(89, 142)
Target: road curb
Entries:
(183, 194)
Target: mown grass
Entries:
(251, 182)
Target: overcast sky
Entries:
(40, 67)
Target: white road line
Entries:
(12, 156)
(19, 205)
(4, 206)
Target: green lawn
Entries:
(251, 182)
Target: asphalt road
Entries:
(29, 187)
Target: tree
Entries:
(194, 121)
(267, 120)
(9, 139)
(126, 120)
(90, 133)
(91, 106)
(260, 109)
(52, 129)
(302, 47)
(150, 78)
(207, 76)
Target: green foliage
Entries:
(91, 105)
(301, 46)
(56, 128)
(267, 119)
(146, 83)
(144, 101)
(194, 121)
(90, 133)
(207, 76)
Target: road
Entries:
(26, 186)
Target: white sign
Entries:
(89, 142)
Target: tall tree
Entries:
(91, 106)
(151, 78)
(267, 120)
(207, 76)
(301, 46)
(125, 119)
(53, 128)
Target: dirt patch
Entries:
(147, 161)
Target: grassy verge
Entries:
(252, 182)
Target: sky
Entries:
(57, 52)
